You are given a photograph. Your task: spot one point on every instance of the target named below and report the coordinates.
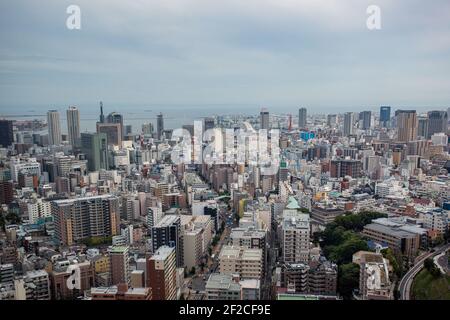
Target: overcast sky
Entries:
(265, 52)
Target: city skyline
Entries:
(313, 53)
(241, 151)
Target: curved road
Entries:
(406, 282)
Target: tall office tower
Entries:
(366, 118)
(406, 125)
(302, 113)
(385, 116)
(6, 133)
(437, 122)
(162, 274)
(264, 119)
(95, 147)
(119, 264)
(159, 125)
(102, 116)
(82, 218)
(73, 126)
(113, 132)
(295, 230)
(331, 120)
(422, 127)
(115, 117)
(348, 123)
(54, 128)
(167, 232)
(208, 123)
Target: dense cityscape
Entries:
(357, 208)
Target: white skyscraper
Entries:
(73, 126)
(348, 123)
(54, 127)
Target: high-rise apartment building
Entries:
(54, 127)
(113, 132)
(167, 232)
(119, 263)
(422, 129)
(73, 126)
(302, 114)
(161, 274)
(437, 123)
(349, 118)
(366, 120)
(296, 232)
(159, 126)
(250, 238)
(115, 117)
(406, 125)
(81, 218)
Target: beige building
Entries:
(248, 263)
(192, 242)
(196, 234)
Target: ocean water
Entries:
(175, 116)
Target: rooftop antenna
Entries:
(102, 116)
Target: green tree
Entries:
(431, 267)
(348, 279)
(13, 218)
(345, 251)
(395, 260)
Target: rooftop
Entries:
(219, 281)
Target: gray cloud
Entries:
(272, 52)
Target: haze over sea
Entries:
(175, 116)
